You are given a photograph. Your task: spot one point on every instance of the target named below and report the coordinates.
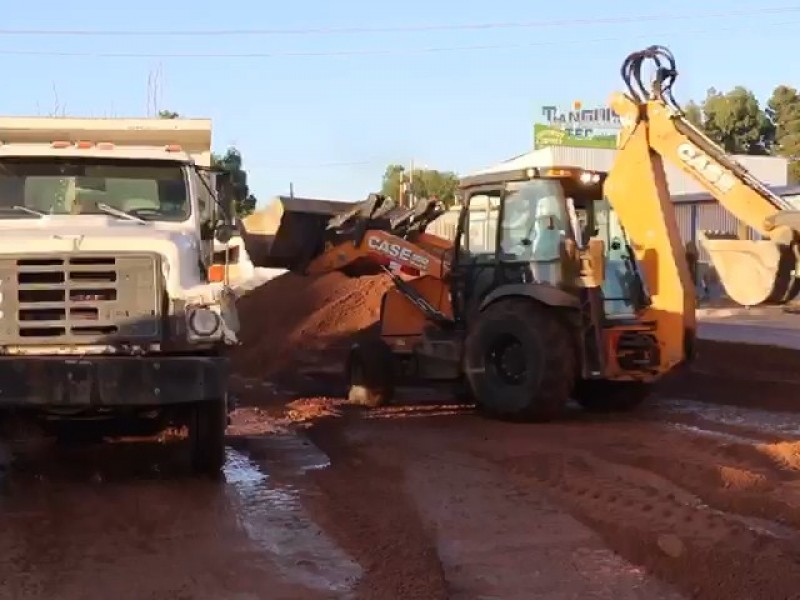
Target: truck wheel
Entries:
(370, 373)
(600, 395)
(520, 361)
(207, 426)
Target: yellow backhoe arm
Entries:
(655, 129)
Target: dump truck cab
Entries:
(115, 316)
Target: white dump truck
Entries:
(113, 315)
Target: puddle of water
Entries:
(272, 516)
(785, 425)
(717, 435)
(289, 453)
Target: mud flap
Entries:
(752, 272)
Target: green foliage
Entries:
(244, 202)
(783, 110)
(425, 183)
(694, 113)
(736, 121)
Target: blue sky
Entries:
(330, 124)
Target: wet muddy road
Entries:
(126, 521)
(687, 499)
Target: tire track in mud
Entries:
(363, 506)
(749, 478)
(672, 502)
(712, 507)
(707, 553)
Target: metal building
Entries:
(694, 207)
(773, 171)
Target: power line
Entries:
(290, 167)
(400, 28)
(372, 52)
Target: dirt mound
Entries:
(293, 321)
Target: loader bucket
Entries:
(289, 232)
(753, 272)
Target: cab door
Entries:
(475, 261)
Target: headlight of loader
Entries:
(203, 322)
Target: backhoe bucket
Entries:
(289, 232)
(753, 272)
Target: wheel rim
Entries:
(506, 359)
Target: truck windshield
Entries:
(148, 190)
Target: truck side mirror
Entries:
(223, 186)
(224, 232)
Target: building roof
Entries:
(780, 190)
(772, 170)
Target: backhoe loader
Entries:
(752, 272)
(560, 283)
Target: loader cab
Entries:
(527, 228)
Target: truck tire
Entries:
(600, 395)
(207, 426)
(520, 361)
(370, 373)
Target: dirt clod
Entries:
(671, 545)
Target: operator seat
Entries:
(546, 239)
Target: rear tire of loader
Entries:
(207, 424)
(610, 396)
(370, 374)
(520, 361)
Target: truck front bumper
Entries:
(110, 381)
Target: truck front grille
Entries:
(80, 299)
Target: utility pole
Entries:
(411, 184)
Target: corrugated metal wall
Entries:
(445, 226)
(692, 216)
(769, 169)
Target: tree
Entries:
(736, 121)
(244, 202)
(425, 183)
(694, 113)
(783, 110)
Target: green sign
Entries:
(548, 135)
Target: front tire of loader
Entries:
(520, 361)
(207, 424)
(602, 396)
(370, 374)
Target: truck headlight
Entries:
(203, 322)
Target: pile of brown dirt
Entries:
(293, 321)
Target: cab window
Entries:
(534, 222)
